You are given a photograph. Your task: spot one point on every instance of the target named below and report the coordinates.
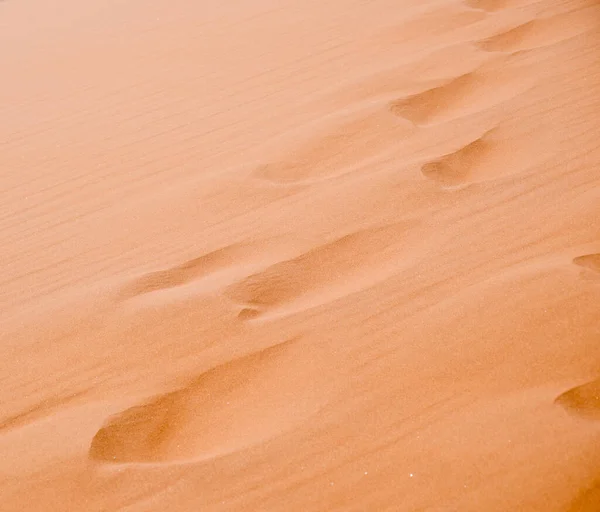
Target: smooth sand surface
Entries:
(284, 255)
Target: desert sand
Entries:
(284, 255)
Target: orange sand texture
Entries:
(300, 255)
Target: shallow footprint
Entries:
(538, 33)
(233, 406)
(184, 273)
(469, 93)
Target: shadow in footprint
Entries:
(231, 407)
(476, 91)
(328, 271)
(459, 167)
(588, 261)
(582, 400)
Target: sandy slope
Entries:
(283, 255)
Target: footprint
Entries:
(582, 400)
(471, 92)
(231, 407)
(384, 82)
(248, 313)
(589, 261)
(506, 150)
(539, 33)
(215, 268)
(328, 272)
(464, 165)
(180, 275)
(337, 149)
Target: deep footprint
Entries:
(589, 261)
(461, 166)
(328, 271)
(582, 400)
(231, 407)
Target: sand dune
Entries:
(300, 256)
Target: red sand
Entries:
(300, 255)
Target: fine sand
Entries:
(284, 255)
